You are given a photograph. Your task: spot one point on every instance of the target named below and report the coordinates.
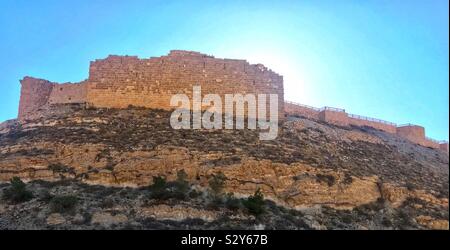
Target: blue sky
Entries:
(384, 59)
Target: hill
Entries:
(96, 168)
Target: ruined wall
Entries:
(122, 81)
(34, 94)
(68, 93)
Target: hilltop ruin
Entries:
(122, 81)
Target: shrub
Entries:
(63, 204)
(45, 196)
(329, 179)
(232, 202)
(159, 183)
(255, 203)
(159, 188)
(216, 183)
(410, 186)
(61, 168)
(348, 179)
(163, 190)
(107, 203)
(194, 194)
(18, 191)
(181, 184)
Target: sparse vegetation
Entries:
(63, 204)
(61, 168)
(181, 184)
(107, 203)
(216, 183)
(127, 130)
(163, 190)
(255, 203)
(232, 202)
(328, 179)
(17, 192)
(159, 188)
(45, 196)
(410, 186)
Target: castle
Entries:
(121, 81)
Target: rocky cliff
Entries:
(314, 175)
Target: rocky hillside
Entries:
(99, 168)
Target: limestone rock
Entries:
(108, 219)
(431, 223)
(177, 213)
(55, 219)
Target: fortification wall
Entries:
(292, 109)
(430, 143)
(122, 81)
(338, 117)
(413, 133)
(416, 134)
(387, 127)
(68, 93)
(34, 94)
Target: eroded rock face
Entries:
(431, 223)
(55, 219)
(107, 219)
(295, 185)
(309, 165)
(177, 213)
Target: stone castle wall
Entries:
(413, 133)
(34, 94)
(334, 116)
(293, 109)
(121, 81)
(384, 126)
(68, 93)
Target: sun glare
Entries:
(296, 79)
